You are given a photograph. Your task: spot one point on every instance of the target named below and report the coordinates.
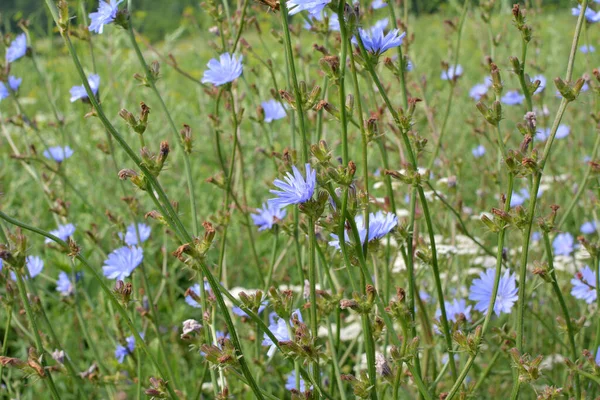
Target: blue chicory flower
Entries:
(4, 93)
(478, 151)
(14, 83)
(267, 216)
(224, 70)
(58, 153)
(543, 82)
(241, 313)
(122, 351)
(130, 237)
(63, 284)
(590, 15)
(333, 21)
(296, 189)
(35, 266)
(481, 292)
(273, 110)
(290, 383)
(376, 41)
(196, 290)
(563, 244)
(588, 228)
(279, 328)
(453, 72)
(380, 224)
(63, 232)
(512, 98)
(314, 7)
(584, 285)
(107, 12)
(122, 261)
(587, 49)
(377, 4)
(478, 91)
(79, 92)
(454, 309)
(17, 48)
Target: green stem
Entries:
(563, 306)
(312, 278)
(438, 282)
(292, 68)
(5, 340)
(108, 292)
(490, 310)
(186, 158)
(533, 198)
(581, 187)
(36, 334)
(452, 82)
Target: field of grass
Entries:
(362, 349)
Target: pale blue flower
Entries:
(587, 49)
(597, 359)
(453, 72)
(107, 11)
(588, 227)
(35, 266)
(377, 4)
(79, 92)
(333, 21)
(562, 132)
(380, 224)
(267, 216)
(478, 151)
(376, 41)
(130, 237)
(584, 285)
(17, 48)
(14, 83)
(241, 313)
(314, 7)
(512, 98)
(590, 15)
(296, 189)
(64, 285)
(563, 244)
(536, 236)
(4, 93)
(58, 153)
(63, 232)
(478, 91)
(279, 329)
(543, 82)
(481, 292)
(454, 309)
(196, 289)
(290, 383)
(122, 261)
(518, 198)
(273, 110)
(224, 70)
(122, 351)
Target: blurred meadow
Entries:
(460, 182)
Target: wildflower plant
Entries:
(333, 210)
